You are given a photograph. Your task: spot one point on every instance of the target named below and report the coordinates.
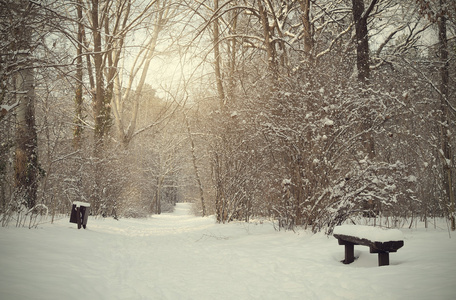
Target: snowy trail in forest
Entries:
(180, 256)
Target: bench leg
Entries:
(349, 253)
(78, 213)
(383, 259)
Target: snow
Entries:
(375, 234)
(4, 108)
(286, 181)
(412, 178)
(79, 204)
(328, 122)
(179, 256)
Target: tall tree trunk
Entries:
(362, 38)
(218, 72)
(305, 17)
(195, 167)
(156, 204)
(78, 97)
(360, 16)
(99, 78)
(232, 49)
(98, 110)
(270, 49)
(445, 117)
(26, 160)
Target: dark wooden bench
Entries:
(80, 213)
(381, 241)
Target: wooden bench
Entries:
(80, 213)
(381, 241)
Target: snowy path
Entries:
(178, 256)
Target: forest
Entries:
(309, 113)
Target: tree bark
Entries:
(270, 50)
(217, 58)
(232, 49)
(445, 117)
(360, 16)
(362, 38)
(99, 78)
(78, 95)
(195, 167)
(26, 160)
(305, 17)
(99, 118)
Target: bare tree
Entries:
(24, 28)
(111, 23)
(445, 105)
(79, 77)
(440, 12)
(158, 16)
(26, 164)
(195, 167)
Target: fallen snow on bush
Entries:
(178, 256)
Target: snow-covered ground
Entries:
(179, 256)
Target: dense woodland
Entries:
(306, 112)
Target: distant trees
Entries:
(110, 24)
(113, 25)
(75, 65)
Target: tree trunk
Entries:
(305, 17)
(445, 118)
(218, 72)
(362, 38)
(360, 16)
(78, 97)
(99, 78)
(195, 167)
(156, 205)
(270, 50)
(26, 160)
(98, 103)
(232, 49)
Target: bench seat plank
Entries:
(390, 246)
(375, 234)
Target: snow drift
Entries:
(179, 256)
